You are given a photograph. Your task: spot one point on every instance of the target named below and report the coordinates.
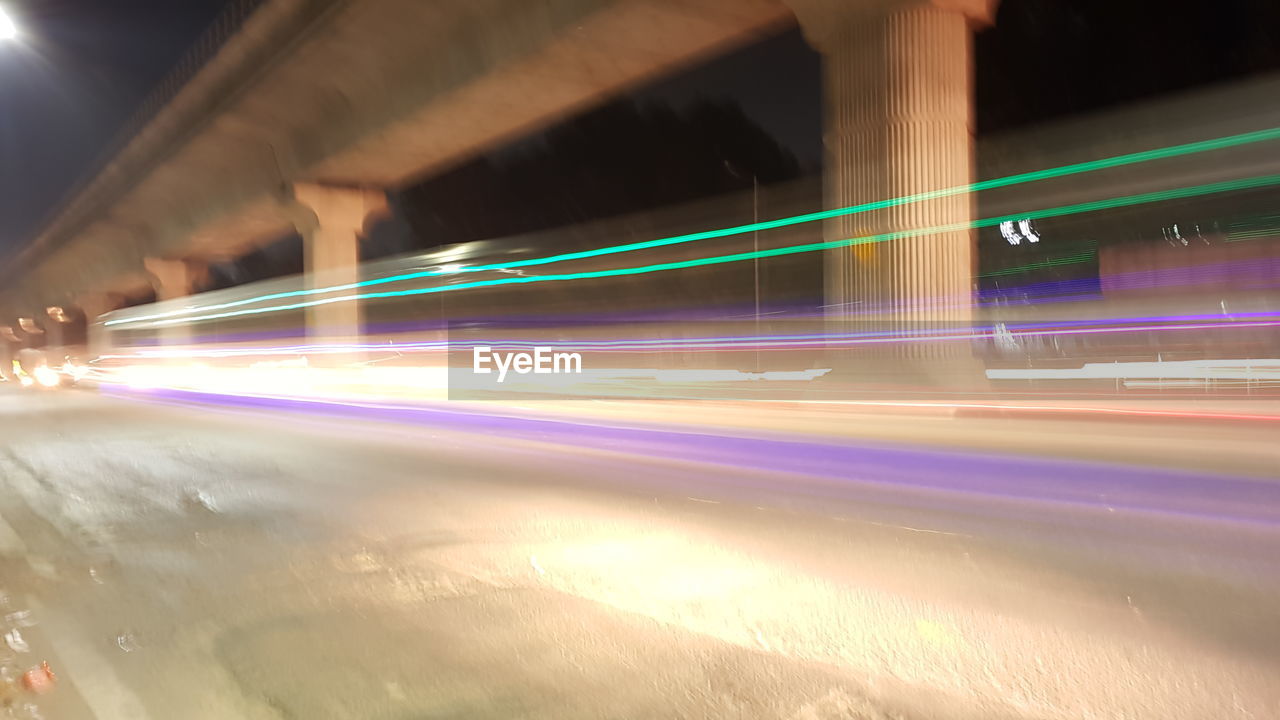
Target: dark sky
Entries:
(82, 67)
(1049, 58)
(86, 64)
(778, 82)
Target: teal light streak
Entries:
(1254, 235)
(1125, 201)
(1062, 171)
(1051, 262)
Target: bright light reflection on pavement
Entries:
(848, 566)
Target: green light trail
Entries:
(1125, 201)
(1051, 262)
(1062, 171)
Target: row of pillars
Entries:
(898, 95)
(51, 330)
(331, 221)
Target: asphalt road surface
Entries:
(190, 558)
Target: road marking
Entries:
(919, 530)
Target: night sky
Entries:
(81, 69)
(86, 64)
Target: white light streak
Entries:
(1025, 227)
(8, 29)
(1009, 233)
(1249, 370)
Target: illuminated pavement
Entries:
(259, 563)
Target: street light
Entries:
(8, 30)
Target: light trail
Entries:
(954, 473)
(751, 342)
(1124, 201)
(1054, 409)
(1259, 370)
(1051, 262)
(1062, 171)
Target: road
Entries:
(189, 557)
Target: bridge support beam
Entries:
(32, 328)
(898, 97)
(94, 305)
(331, 251)
(55, 335)
(173, 279)
(7, 349)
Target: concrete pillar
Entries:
(173, 279)
(331, 254)
(7, 349)
(94, 305)
(55, 335)
(32, 330)
(898, 109)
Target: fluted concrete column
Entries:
(55, 334)
(7, 349)
(173, 279)
(898, 109)
(94, 305)
(33, 333)
(331, 250)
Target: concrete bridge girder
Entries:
(368, 93)
(99, 262)
(516, 68)
(376, 93)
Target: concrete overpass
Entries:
(314, 109)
